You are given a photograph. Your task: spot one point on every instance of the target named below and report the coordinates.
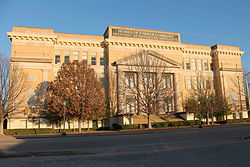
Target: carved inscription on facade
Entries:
(145, 35)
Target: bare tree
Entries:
(204, 102)
(12, 89)
(239, 92)
(149, 89)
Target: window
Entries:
(188, 64)
(149, 79)
(206, 65)
(102, 78)
(130, 104)
(234, 97)
(193, 64)
(201, 84)
(208, 83)
(195, 83)
(130, 80)
(66, 59)
(169, 104)
(199, 64)
(85, 59)
(167, 81)
(93, 60)
(75, 57)
(57, 59)
(189, 83)
(101, 61)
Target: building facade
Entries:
(40, 52)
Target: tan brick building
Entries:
(40, 52)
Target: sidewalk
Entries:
(4, 138)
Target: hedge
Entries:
(157, 125)
(38, 131)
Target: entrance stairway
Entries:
(141, 119)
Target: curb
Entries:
(9, 154)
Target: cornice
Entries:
(225, 52)
(142, 45)
(77, 43)
(50, 38)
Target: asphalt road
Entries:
(216, 146)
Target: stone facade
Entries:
(40, 52)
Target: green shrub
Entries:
(130, 126)
(117, 126)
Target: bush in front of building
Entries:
(14, 132)
(175, 124)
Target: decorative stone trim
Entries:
(232, 69)
(141, 45)
(53, 39)
(32, 60)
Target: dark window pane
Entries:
(93, 60)
(57, 59)
(66, 59)
(102, 61)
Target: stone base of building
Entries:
(234, 115)
(23, 123)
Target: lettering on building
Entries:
(145, 35)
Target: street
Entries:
(210, 146)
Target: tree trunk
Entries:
(88, 125)
(149, 122)
(1, 125)
(212, 115)
(207, 118)
(69, 125)
(79, 126)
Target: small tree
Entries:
(76, 93)
(205, 103)
(12, 88)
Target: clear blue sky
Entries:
(205, 22)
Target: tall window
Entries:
(188, 64)
(206, 65)
(195, 82)
(130, 104)
(85, 57)
(93, 58)
(76, 57)
(102, 78)
(208, 83)
(189, 83)
(234, 97)
(102, 61)
(169, 104)
(167, 81)
(201, 82)
(57, 59)
(149, 79)
(199, 64)
(130, 79)
(66, 59)
(193, 64)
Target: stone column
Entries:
(176, 93)
(119, 89)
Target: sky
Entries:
(203, 22)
